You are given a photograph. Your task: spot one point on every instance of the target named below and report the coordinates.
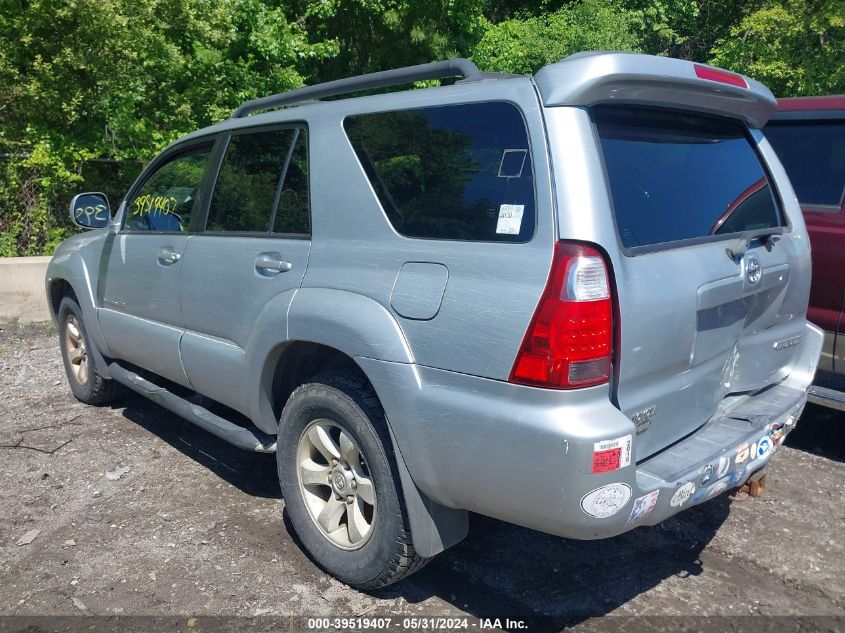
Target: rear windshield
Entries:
(813, 155)
(677, 176)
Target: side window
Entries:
(458, 172)
(262, 184)
(813, 154)
(246, 185)
(293, 211)
(166, 199)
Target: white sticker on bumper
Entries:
(606, 501)
(682, 494)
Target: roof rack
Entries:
(458, 67)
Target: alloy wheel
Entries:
(76, 351)
(335, 484)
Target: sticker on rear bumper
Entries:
(643, 507)
(611, 455)
(722, 468)
(606, 501)
(718, 488)
(764, 447)
(776, 432)
(704, 494)
(735, 477)
(706, 475)
(742, 452)
(682, 494)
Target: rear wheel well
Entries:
(59, 289)
(300, 362)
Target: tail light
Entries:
(570, 339)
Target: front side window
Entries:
(813, 155)
(457, 172)
(165, 201)
(677, 176)
(262, 184)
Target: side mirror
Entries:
(90, 210)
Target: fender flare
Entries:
(316, 315)
(351, 323)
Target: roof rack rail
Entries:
(458, 67)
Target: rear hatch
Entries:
(711, 307)
(711, 276)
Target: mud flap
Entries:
(434, 528)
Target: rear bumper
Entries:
(526, 455)
(720, 456)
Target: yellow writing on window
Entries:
(154, 204)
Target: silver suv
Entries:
(574, 301)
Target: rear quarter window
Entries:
(456, 172)
(677, 176)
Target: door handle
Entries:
(168, 257)
(271, 264)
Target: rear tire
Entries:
(86, 382)
(340, 483)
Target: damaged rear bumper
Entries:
(529, 456)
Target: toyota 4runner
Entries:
(574, 301)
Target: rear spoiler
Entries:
(586, 79)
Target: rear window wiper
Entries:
(767, 238)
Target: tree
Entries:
(119, 79)
(373, 35)
(795, 47)
(91, 88)
(525, 45)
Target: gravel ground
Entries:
(194, 527)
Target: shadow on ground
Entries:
(499, 570)
(820, 431)
(502, 570)
(253, 473)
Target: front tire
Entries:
(83, 374)
(340, 484)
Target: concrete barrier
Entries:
(22, 294)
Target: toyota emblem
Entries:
(753, 270)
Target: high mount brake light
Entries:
(722, 76)
(570, 339)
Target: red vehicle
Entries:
(808, 134)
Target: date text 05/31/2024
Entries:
(414, 623)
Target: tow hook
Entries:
(754, 487)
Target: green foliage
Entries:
(91, 88)
(525, 45)
(376, 35)
(120, 79)
(663, 25)
(795, 47)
